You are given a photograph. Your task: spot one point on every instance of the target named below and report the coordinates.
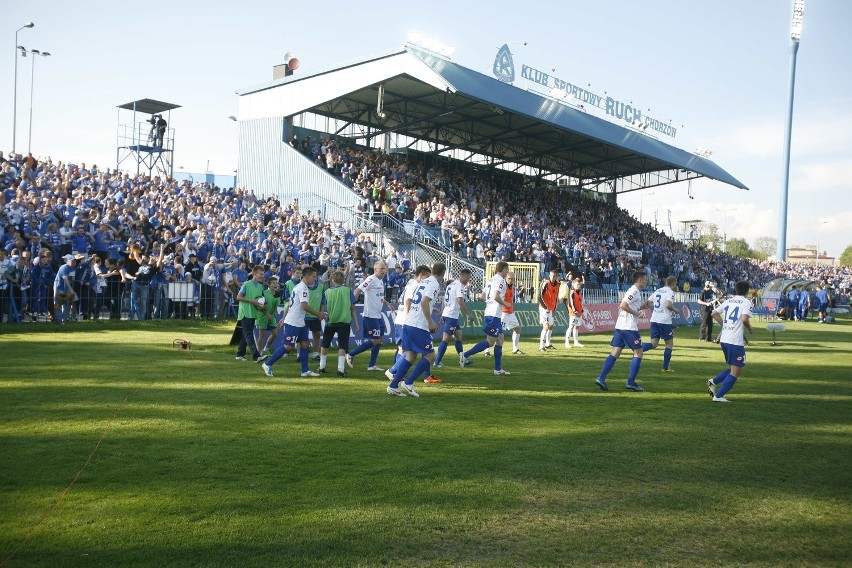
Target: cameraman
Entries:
(706, 298)
(161, 131)
(152, 135)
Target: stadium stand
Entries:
(149, 247)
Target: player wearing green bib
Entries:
(266, 322)
(316, 299)
(292, 283)
(251, 301)
(340, 304)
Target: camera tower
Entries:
(149, 143)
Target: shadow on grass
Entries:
(210, 463)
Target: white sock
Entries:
(316, 353)
(547, 335)
(341, 361)
(576, 335)
(323, 360)
(541, 338)
(516, 341)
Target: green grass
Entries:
(209, 463)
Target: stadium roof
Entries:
(426, 97)
(149, 106)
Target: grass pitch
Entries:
(188, 458)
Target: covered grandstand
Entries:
(411, 99)
(421, 105)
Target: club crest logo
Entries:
(504, 65)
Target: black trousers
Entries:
(706, 332)
(247, 340)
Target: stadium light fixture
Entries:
(795, 36)
(15, 96)
(34, 53)
(798, 18)
(639, 125)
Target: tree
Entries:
(846, 256)
(739, 248)
(709, 237)
(765, 246)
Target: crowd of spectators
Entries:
(484, 217)
(152, 247)
(838, 278)
(127, 238)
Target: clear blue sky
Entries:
(719, 68)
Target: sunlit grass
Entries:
(208, 462)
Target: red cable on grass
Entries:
(73, 481)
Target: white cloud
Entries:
(816, 131)
(763, 139)
(822, 176)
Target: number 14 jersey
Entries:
(731, 311)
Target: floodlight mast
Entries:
(798, 17)
(795, 36)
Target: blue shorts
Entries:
(492, 326)
(374, 328)
(626, 338)
(664, 331)
(823, 306)
(397, 333)
(294, 335)
(416, 340)
(450, 325)
(734, 354)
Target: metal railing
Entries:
(427, 254)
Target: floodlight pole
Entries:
(15, 95)
(795, 35)
(33, 53)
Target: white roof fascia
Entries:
(294, 97)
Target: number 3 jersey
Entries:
(661, 312)
(731, 311)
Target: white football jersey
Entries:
(625, 320)
(296, 315)
(731, 311)
(373, 290)
(659, 298)
(401, 314)
(451, 299)
(496, 288)
(429, 288)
